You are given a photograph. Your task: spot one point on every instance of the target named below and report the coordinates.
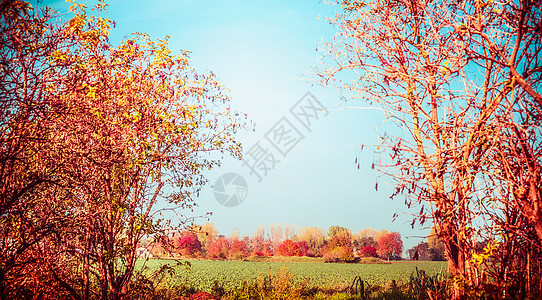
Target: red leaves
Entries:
(189, 244)
(390, 245)
(289, 248)
(367, 251)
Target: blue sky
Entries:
(263, 52)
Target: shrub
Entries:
(367, 251)
(338, 249)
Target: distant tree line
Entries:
(337, 244)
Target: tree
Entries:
(339, 231)
(219, 248)
(366, 237)
(416, 60)
(111, 132)
(435, 245)
(390, 246)
(238, 249)
(367, 251)
(291, 248)
(303, 248)
(315, 238)
(259, 244)
(189, 244)
(29, 159)
(290, 232)
(420, 252)
(339, 248)
(206, 233)
(275, 235)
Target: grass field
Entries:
(230, 274)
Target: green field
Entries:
(230, 274)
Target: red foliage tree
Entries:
(288, 248)
(367, 251)
(238, 249)
(303, 248)
(189, 244)
(219, 248)
(390, 246)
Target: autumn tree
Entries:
(420, 252)
(104, 133)
(275, 235)
(31, 164)
(188, 244)
(261, 246)
(206, 233)
(291, 248)
(456, 77)
(219, 248)
(390, 246)
(436, 246)
(365, 237)
(338, 231)
(239, 248)
(315, 238)
(339, 248)
(367, 251)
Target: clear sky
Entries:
(263, 52)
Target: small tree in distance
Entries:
(288, 248)
(338, 249)
(367, 251)
(390, 246)
(189, 244)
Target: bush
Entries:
(338, 249)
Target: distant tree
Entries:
(339, 248)
(238, 249)
(436, 246)
(339, 231)
(219, 248)
(206, 233)
(275, 235)
(367, 232)
(367, 251)
(315, 238)
(303, 248)
(420, 252)
(290, 232)
(188, 244)
(260, 245)
(390, 246)
(288, 248)
(364, 241)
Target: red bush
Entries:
(189, 245)
(218, 248)
(367, 251)
(288, 248)
(238, 249)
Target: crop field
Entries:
(230, 274)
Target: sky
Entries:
(264, 52)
